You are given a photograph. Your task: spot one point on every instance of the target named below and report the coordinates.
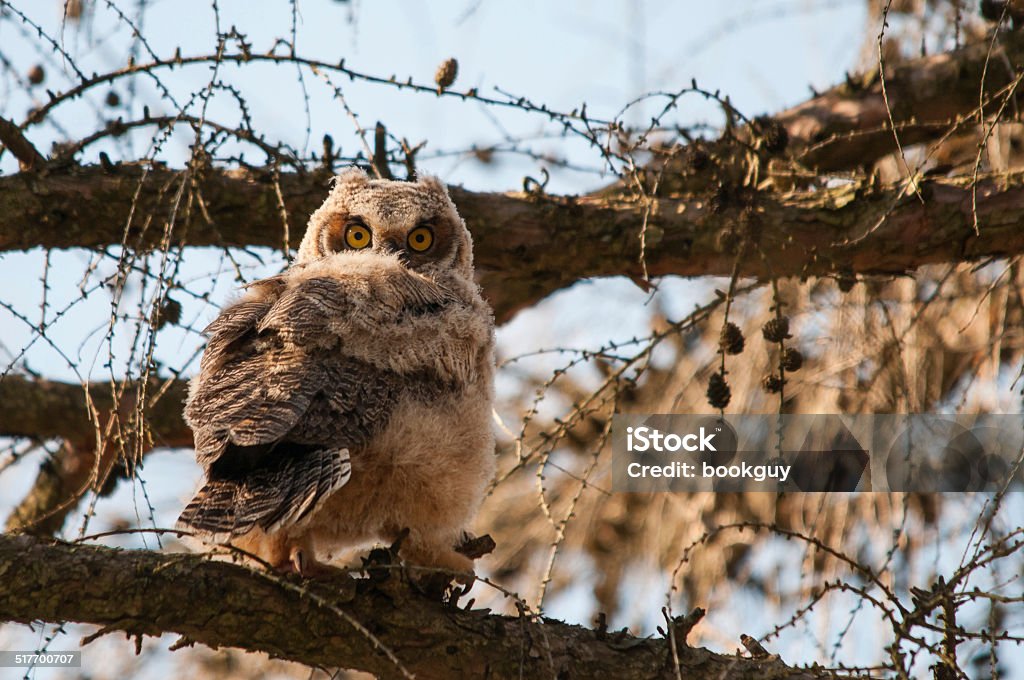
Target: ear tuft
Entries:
(353, 175)
(433, 184)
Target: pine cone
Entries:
(170, 313)
(36, 74)
(792, 360)
(731, 339)
(772, 384)
(718, 393)
(777, 329)
(446, 73)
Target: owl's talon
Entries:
(296, 559)
(301, 564)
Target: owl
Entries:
(348, 400)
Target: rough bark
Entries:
(226, 605)
(529, 246)
(46, 409)
(847, 126)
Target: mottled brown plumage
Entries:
(349, 398)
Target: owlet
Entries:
(349, 398)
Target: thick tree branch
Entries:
(221, 604)
(41, 409)
(44, 409)
(848, 125)
(529, 246)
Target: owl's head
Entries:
(413, 221)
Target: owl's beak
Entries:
(393, 247)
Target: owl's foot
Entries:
(439, 582)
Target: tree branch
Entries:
(41, 409)
(529, 246)
(221, 604)
(45, 409)
(847, 126)
(13, 139)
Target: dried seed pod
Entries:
(36, 74)
(116, 128)
(446, 74)
(731, 339)
(484, 154)
(328, 153)
(777, 329)
(792, 360)
(113, 99)
(718, 392)
(772, 384)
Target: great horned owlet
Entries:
(349, 398)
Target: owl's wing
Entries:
(283, 395)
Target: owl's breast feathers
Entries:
(308, 366)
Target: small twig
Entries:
(380, 151)
(754, 647)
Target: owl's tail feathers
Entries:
(273, 496)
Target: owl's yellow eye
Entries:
(357, 236)
(420, 239)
